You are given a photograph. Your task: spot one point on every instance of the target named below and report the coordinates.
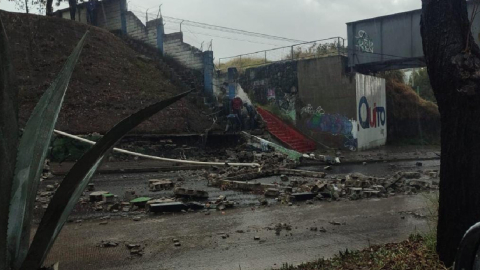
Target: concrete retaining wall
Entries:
(327, 101)
(182, 52)
(371, 111)
(112, 15)
(137, 30)
(108, 14)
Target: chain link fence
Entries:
(312, 49)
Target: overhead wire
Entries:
(242, 32)
(230, 30)
(223, 28)
(205, 34)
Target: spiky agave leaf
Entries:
(75, 182)
(32, 151)
(8, 139)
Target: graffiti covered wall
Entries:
(275, 86)
(371, 111)
(329, 129)
(327, 102)
(322, 101)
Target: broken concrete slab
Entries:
(129, 195)
(97, 196)
(319, 186)
(195, 206)
(159, 184)
(412, 175)
(107, 244)
(140, 201)
(303, 196)
(420, 184)
(167, 207)
(162, 200)
(131, 246)
(108, 198)
(272, 192)
(190, 193)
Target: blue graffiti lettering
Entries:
(375, 117)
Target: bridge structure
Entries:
(390, 42)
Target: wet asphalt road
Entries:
(367, 222)
(370, 221)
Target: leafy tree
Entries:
(420, 82)
(25, 4)
(453, 62)
(42, 5)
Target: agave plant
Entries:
(21, 164)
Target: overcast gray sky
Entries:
(297, 19)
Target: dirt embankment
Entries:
(110, 80)
(410, 118)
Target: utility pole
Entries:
(26, 6)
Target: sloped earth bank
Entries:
(110, 80)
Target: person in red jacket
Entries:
(237, 105)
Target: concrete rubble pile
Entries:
(43, 197)
(181, 199)
(353, 186)
(358, 186)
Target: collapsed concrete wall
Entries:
(318, 98)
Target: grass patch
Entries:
(432, 219)
(243, 63)
(413, 253)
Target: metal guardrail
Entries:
(306, 50)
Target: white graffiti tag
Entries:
(363, 42)
(310, 111)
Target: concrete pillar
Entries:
(123, 15)
(232, 73)
(208, 68)
(160, 33)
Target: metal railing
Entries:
(306, 50)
